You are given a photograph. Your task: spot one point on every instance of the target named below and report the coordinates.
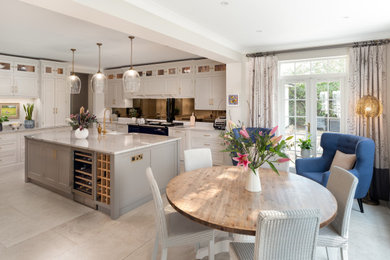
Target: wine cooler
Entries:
(83, 173)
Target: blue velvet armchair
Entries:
(318, 168)
(251, 131)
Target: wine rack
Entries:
(103, 178)
(83, 174)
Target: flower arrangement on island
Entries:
(252, 151)
(83, 120)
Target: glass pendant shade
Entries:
(73, 82)
(131, 81)
(99, 80)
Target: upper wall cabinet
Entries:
(19, 77)
(203, 80)
(114, 96)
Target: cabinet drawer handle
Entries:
(207, 144)
(206, 135)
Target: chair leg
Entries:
(360, 202)
(211, 249)
(344, 253)
(164, 253)
(327, 253)
(155, 248)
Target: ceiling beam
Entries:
(126, 18)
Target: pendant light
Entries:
(131, 79)
(99, 80)
(73, 82)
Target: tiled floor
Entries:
(38, 224)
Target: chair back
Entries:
(197, 158)
(161, 222)
(290, 234)
(342, 184)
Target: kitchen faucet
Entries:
(104, 120)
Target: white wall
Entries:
(237, 83)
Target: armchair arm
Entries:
(319, 164)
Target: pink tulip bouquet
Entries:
(255, 150)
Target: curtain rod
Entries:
(344, 45)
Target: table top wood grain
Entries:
(217, 197)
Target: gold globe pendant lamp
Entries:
(131, 79)
(73, 82)
(99, 80)
(369, 107)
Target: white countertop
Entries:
(114, 143)
(7, 129)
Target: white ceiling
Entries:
(263, 25)
(31, 31)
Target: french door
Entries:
(311, 106)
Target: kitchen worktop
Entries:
(7, 129)
(111, 143)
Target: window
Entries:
(312, 101)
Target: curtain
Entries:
(263, 86)
(367, 76)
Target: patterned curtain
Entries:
(368, 77)
(263, 86)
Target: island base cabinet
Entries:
(129, 184)
(49, 165)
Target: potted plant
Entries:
(2, 119)
(81, 122)
(254, 151)
(305, 146)
(28, 122)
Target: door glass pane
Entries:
(48, 70)
(186, 70)
(205, 68)
(291, 108)
(27, 68)
(60, 71)
(160, 72)
(5, 66)
(301, 92)
(172, 71)
(301, 108)
(295, 108)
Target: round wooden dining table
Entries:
(216, 197)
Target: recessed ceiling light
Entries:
(346, 17)
(224, 3)
(259, 31)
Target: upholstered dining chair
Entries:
(318, 169)
(173, 229)
(282, 235)
(197, 158)
(342, 184)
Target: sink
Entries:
(114, 133)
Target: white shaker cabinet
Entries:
(19, 77)
(210, 93)
(55, 95)
(114, 94)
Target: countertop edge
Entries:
(172, 139)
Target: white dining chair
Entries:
(173, 229)
(281, 235)
(342, 184)
(197, 158)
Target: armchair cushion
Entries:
(343, 160)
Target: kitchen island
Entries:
(103, 172)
